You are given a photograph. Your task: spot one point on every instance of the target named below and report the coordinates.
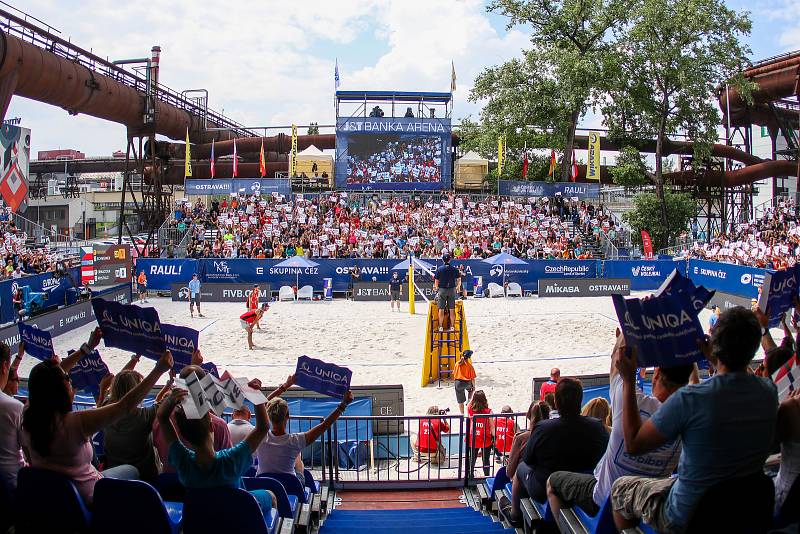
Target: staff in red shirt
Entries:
(504, 430)
(550, 385)
(481, 431)
(252, 302)
(428, 442)
(249, 319)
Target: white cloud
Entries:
(269, 62)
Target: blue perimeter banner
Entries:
(162, 272)
(387, 129)
(516, 188)
(736, 280)
(645, 275)
(59, 291)
(248, 186)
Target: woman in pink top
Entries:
(56, 438)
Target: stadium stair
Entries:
(420, 521)
(443, 349)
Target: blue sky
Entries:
(271, 62)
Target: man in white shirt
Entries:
(240, 425)
(10, 422)
(590, 491)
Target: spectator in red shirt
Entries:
(481, 431)
(550, 385)
(429, 438)
(504, 430)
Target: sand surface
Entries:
(514, 341)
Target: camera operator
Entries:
(428, 443)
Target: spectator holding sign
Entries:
(54, 437)
(199, 465)
(708, 418)
(280, 451)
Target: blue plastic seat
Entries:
(496, 482)
(600, 523)
(49, 502)
(242, 515)
(311, 484)
(169, 487)
(286, 504)
(133, 506)
(292, 485)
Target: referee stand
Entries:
(443, 348)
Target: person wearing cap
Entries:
(252, 303)
(464, 376)
(194, 295)
(445, 282)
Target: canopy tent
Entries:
(299, 263)
(313, 161)
(504, 258)
(471, 169)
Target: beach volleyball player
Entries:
(249, 319)
(252, 302)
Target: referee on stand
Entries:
(444, 283)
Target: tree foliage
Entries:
(630, 170)
(665, 71)
(549, 88)
(313, 128)
(646, 215)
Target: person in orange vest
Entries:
(464, 376)
(249, 319)
(252, 302)
(141, 282)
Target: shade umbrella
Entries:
(504, 258)
(418, 264)
(297, 262)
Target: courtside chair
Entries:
(292, 485)
(305, 293)
(132, 507)
(49, 502)
(226, 510)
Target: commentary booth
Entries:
(393, 141)
(316, 165)
(471, 170)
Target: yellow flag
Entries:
(593, 169)
(293, 155)
(187, 165)
(500, 155)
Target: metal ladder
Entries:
(447, 345)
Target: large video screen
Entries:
(392, 154)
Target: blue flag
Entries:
(664, 329)
(38, 343)
(181, 341)
(88, 372)
(130, 328)
(325, 378)
(777, 294)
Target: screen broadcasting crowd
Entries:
(342, 226)
(417, 159)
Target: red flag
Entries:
(212, 159)
(525, 168)
(235, 161)
(574, 167)
(262, 165)
(647, 245)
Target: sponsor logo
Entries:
(712, 273)
(294, 270)
(746, 278)
(166, 270)
(49, 284)
(569, 270)
(183, 293)
(222, 267)
(496, 270)
(645, 270)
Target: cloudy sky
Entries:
(269, 62)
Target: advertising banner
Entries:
(379, 291)
(68, 318)
(130, 328)
(736, 280)
(38, 343)
(221, 292)
(58, 291)
(602, 287)
(644, 274)
(163, 272)
(593, 167)
(326, 378)
(516, 188)
(15, 153)
(385, 153)
(181, 341)
(725, 301)
(244, 186)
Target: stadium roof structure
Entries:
(397, 96)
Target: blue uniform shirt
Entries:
(447, 275)
(194, 286)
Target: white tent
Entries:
(471, 169)
(313, 161)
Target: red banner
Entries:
(647, 245)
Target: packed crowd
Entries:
(771, 242)
(340, 226)
(17, 258)
(413, 160)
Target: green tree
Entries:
(646, 215)
(630, 170)
(313, 128)
(665, 71)
(549, 88)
